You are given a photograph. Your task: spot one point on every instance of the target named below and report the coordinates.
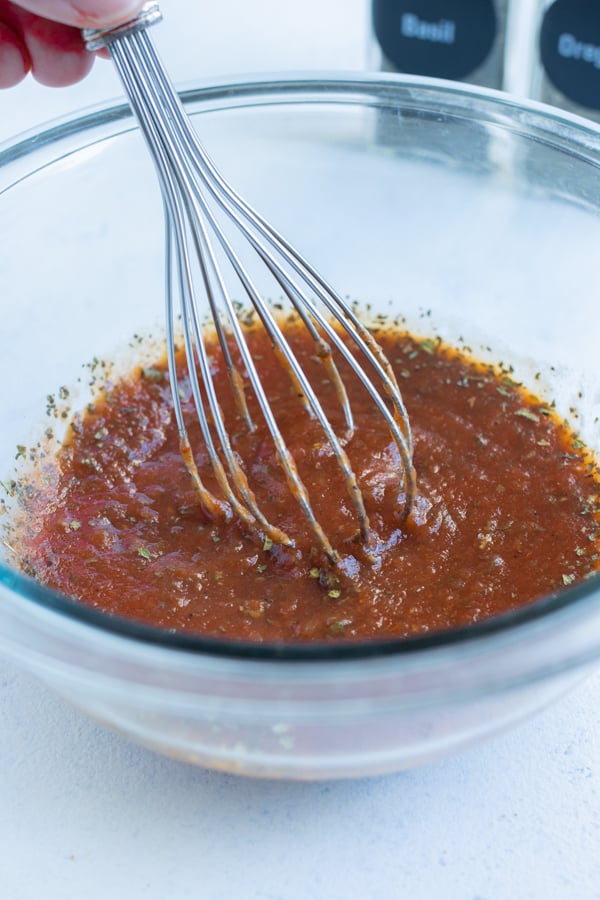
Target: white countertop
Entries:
(85, 814)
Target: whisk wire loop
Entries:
(344, 315)
(178, 235)
(176, 195)
(187, 178)
(234, 205)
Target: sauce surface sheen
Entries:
(506, 512)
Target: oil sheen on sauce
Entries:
(506, 512)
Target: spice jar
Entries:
(461, 40)
(565, 69)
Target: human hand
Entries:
(44, 37)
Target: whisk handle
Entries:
(97, 38)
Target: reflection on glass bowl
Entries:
(424, 200)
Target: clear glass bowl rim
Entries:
(568, 133)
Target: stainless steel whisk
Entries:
(195, 196)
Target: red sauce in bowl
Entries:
(507, 508)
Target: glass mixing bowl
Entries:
(473, 216)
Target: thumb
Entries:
(84, 13)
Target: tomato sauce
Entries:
(506, 510)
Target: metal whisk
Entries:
(195, 196)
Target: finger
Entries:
(84, 13)
(14, 58)
(58, 56)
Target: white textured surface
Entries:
(84, 814)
